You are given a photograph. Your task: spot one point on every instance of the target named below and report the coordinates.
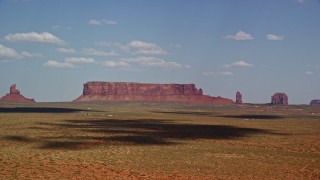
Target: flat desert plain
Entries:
(121, 140)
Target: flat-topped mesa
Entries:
(279, 99)
(315, 102)
(15, 96)
(124, 88)
(131, 91)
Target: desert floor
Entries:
(120, 140)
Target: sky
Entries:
(50, 48)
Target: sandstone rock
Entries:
(129, 91)
(15, 96)
(13, 89)
(238, 98)
(279, 99)
(315, 102)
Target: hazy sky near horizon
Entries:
(49, 48)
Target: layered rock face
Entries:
(15, 96)
(129, 91)
(14, 90)
(279, 99)
(238, 98)
(315, 102)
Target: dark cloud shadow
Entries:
(196, 113)
(17, 138)
(39, 110)
(71, 145)
(90, 133)
(241, 116)
(253, 116)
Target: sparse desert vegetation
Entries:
(118, 140)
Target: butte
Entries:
(15, 96)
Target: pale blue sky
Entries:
(49, 48)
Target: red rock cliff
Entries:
(238, 98)
(15, 96)
(129, 91)
(279, 99)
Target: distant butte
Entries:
(279, 99)
(238, 98)
(315, 102)
(131, 91)
(15, 96)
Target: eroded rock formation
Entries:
(15, 96)
(279, 99)
(315, 102)
(129, 91)
(238, 98)
(14, 90)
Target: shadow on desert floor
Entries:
(253, 116)
(90, 133)
(242, 116)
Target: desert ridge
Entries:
(100, 91)
(132, 91)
